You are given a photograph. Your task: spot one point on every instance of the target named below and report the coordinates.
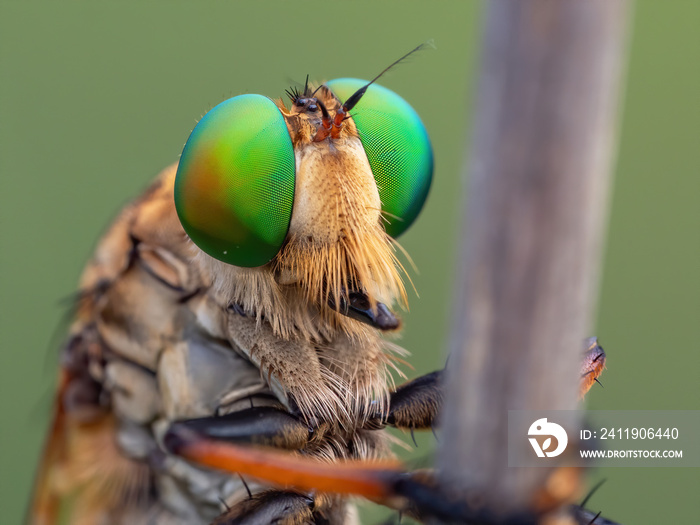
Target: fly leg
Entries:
(218, 445)
(263, 426)
(416, 404)
(203, 440)
(266, 426)
(413, 406)
(271, 506)
(223, 442)
(309, 491)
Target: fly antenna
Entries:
(357, 95)
(419, 48)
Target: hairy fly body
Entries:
(240, 303)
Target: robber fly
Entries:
(239, 304)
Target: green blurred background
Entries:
(96, 98)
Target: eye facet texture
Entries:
(234, 187)
(397, 147)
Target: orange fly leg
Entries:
(374, 480)
(360, 478)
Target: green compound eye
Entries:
(397, 147)
(234, 187)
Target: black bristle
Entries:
(293, 94)
(306, 86)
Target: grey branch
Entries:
(540, 170)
